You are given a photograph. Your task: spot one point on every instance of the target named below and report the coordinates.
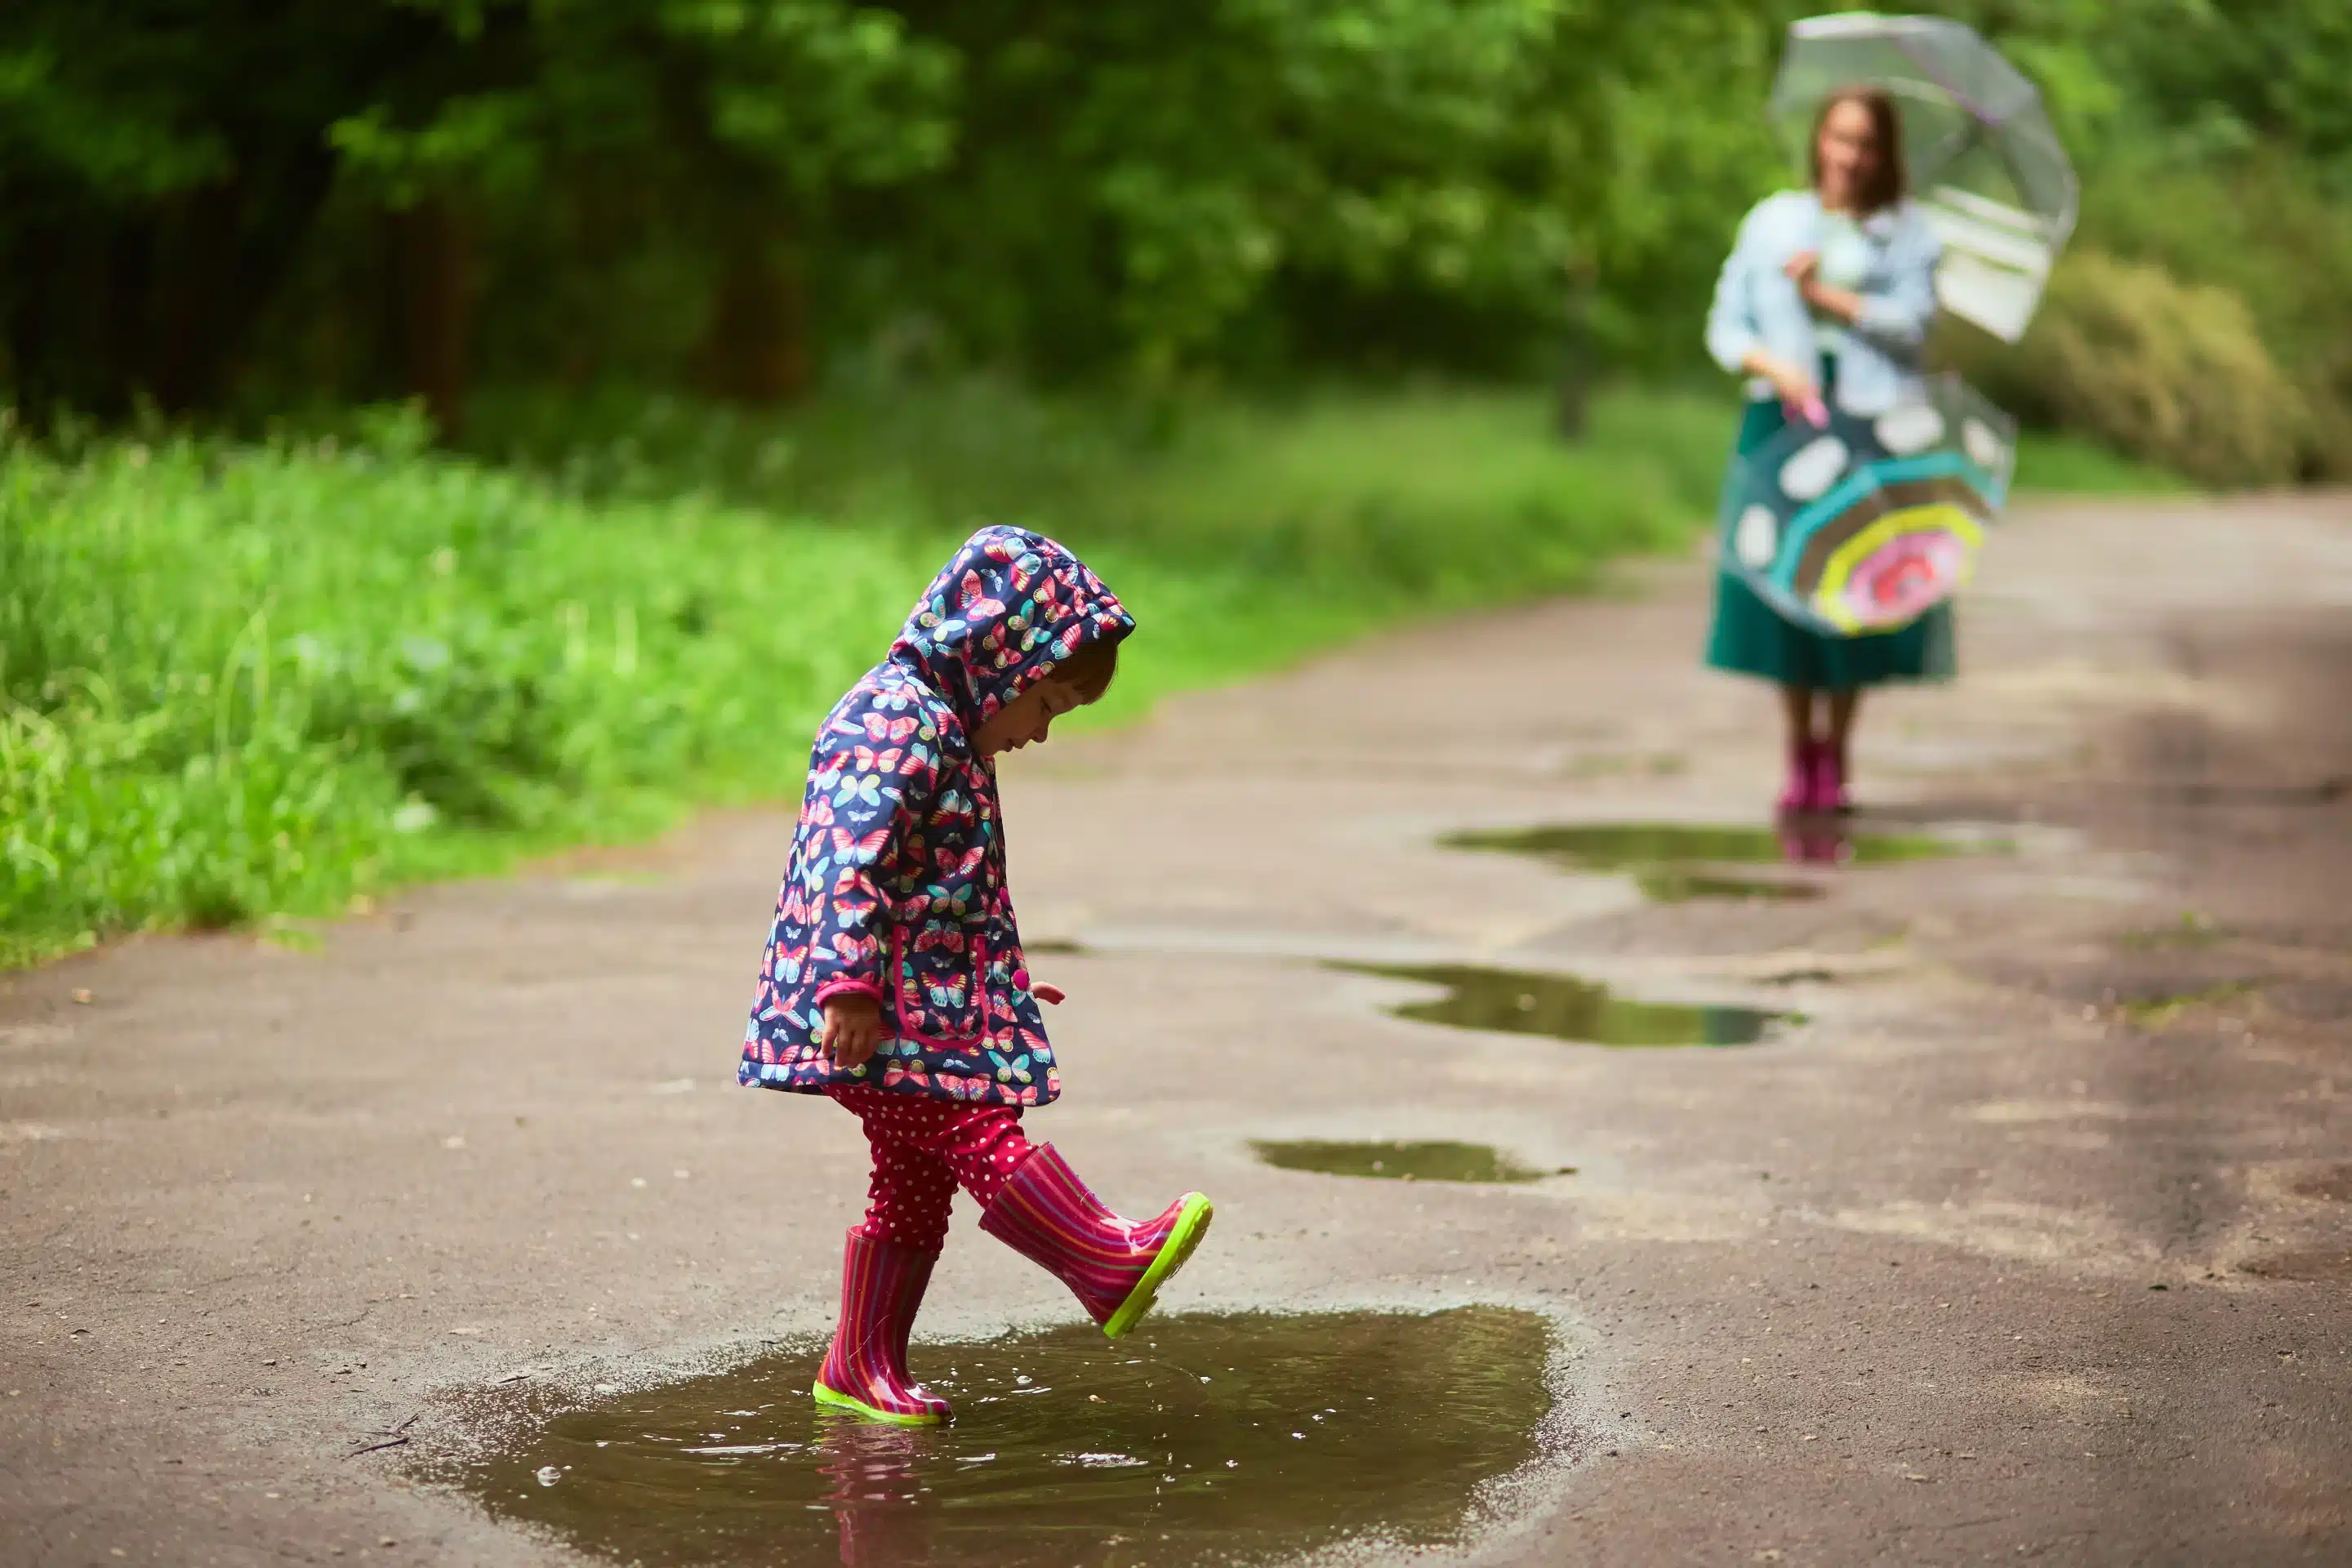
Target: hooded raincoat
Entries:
(896, 884)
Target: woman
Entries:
(1828, 293)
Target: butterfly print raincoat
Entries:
(896, 884)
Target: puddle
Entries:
(1667, 859)
(1675, 884)
(1611, 765)
(2333, 1184)
(2314, 1266)
(2156, 1011)
(1217, 1439)
(2192, 929)
(1515, 1001)
(1435, 1161)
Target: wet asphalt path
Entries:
(2035, 1241)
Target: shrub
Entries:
(2173, 373)
(2268, 228)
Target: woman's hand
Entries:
(1791, 386)
(853, 1029)
(1804, 269)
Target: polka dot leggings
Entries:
(923, 1148)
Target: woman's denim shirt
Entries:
(1757, 304)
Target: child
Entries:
(894, 981)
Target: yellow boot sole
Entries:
(1191, 1225)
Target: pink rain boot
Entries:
(1115, 1266)
(1798, 797)
(1829, 782)
(882, 1286)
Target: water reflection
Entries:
(1669, 860)
(1566, 1007)
(1218, 1439)
(1397, 1162)
(1816, 842)
(1676, 884)
(872, 1471)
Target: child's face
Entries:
(1028, 716)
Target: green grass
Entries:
(2049, 464)
(250, 682)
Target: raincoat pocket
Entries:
(940, 985)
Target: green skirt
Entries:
(1749, 637)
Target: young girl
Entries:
(894, 981)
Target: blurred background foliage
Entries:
(445, 428)
(232, 205)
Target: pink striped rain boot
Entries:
(1797, 796)
(882, 1286)
(1829, 781)
(1115, 1266)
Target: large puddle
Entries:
(1564, 1007)
(1426, 1162)
(1220, 1438)
(1670, 861)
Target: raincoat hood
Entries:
(897, 888)
(1009, 606)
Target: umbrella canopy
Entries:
(1865, 524)
(1985, 165)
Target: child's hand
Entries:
(853, 1028)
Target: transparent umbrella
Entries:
(1985, 165)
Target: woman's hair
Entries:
(1090, 669)
(1887, 183)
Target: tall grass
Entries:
(249, 680)
(239, 680)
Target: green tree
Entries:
(1136, 181)
(345, 198)
(162, 164)
(159, 164)
(741, 118)
(2230, 78)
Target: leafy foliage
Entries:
(238, 679)
(202, 201)
(2125, 352)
